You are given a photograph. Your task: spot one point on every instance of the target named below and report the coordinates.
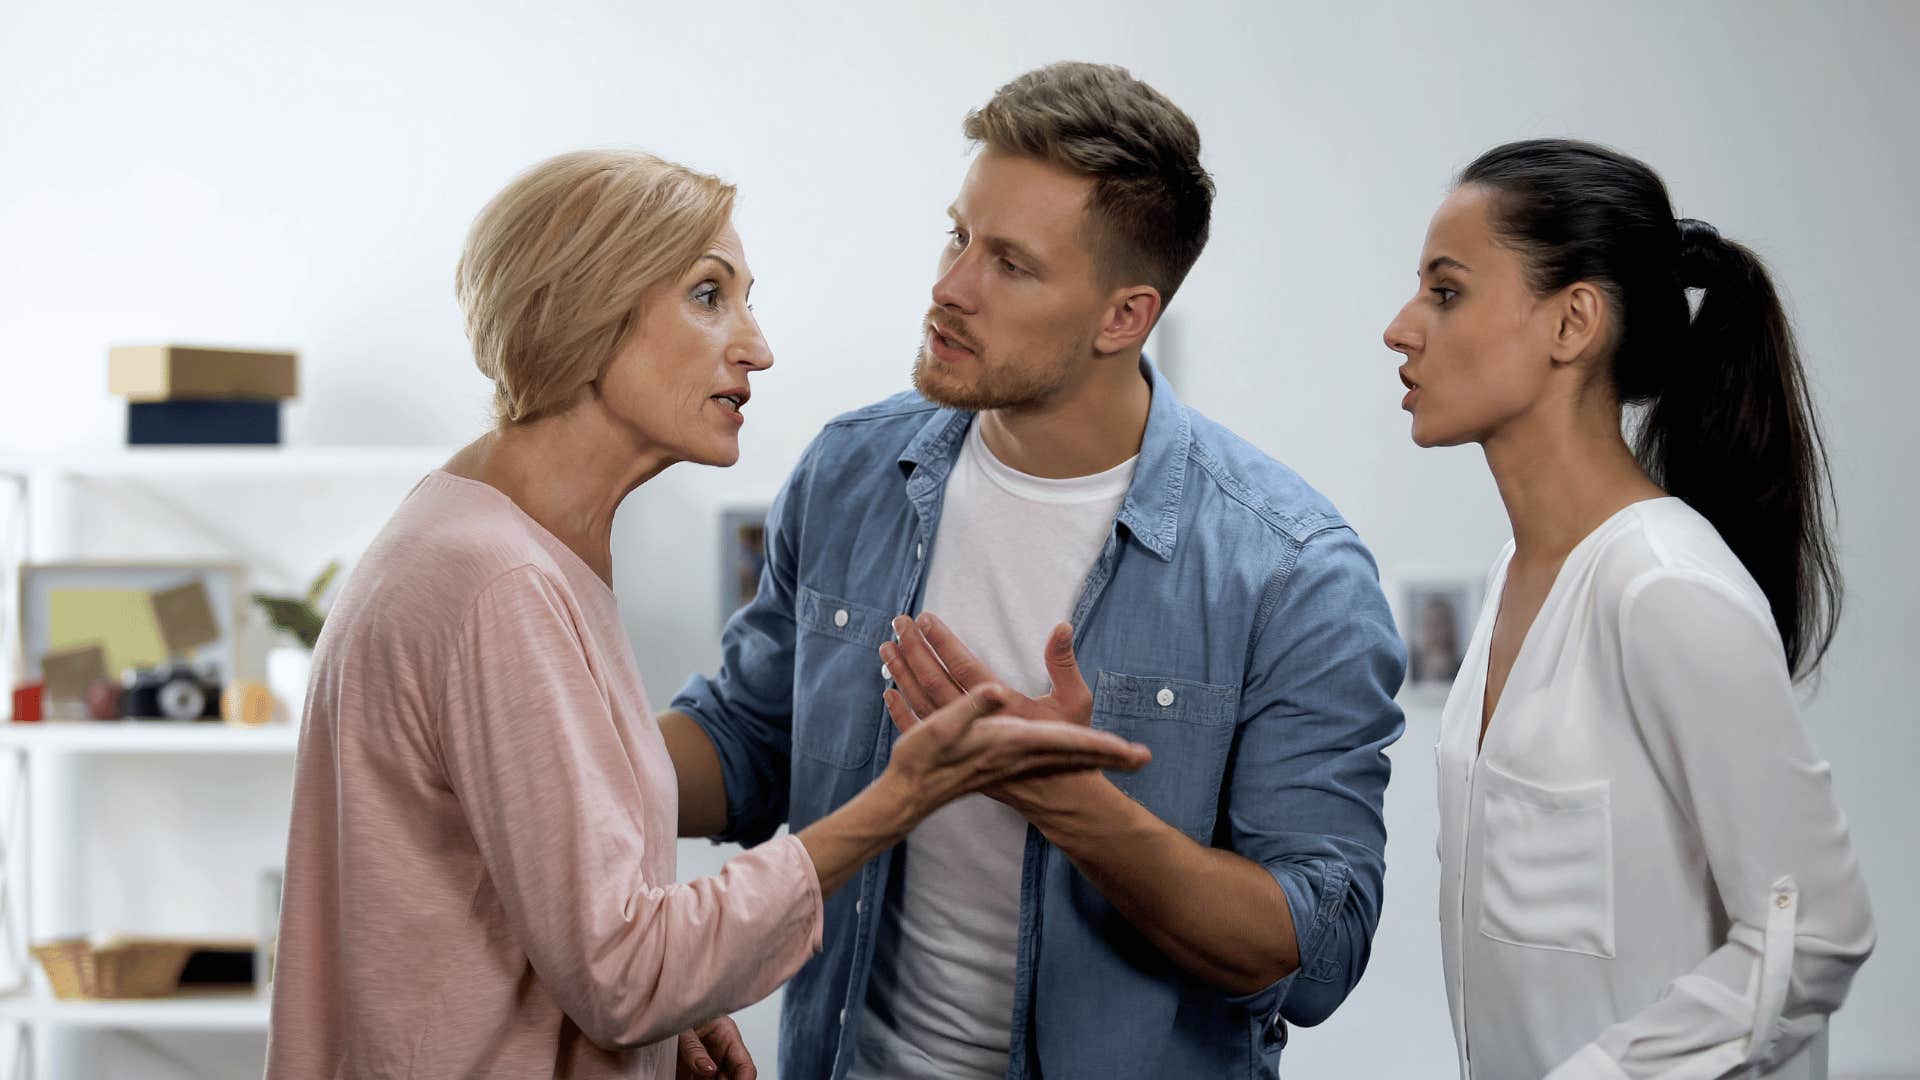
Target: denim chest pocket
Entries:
(837, 704)
(1546, 864)
(1189, 727)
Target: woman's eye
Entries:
(1446, 295)
(707, 294)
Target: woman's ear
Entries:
(1580, 322)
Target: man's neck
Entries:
(1090, 427)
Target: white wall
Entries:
(303, 175)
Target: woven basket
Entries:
(115, 969)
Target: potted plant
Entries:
(289, 665)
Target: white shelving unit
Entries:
(147, 737)
(239, 1010)
(29, 753)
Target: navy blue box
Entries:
(203, 423)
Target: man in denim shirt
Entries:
(1168, 923)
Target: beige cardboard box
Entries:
(183, 373)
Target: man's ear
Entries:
(1580, 319)
(1130, 315)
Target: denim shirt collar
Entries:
(1151, 511)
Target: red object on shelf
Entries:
(26, 703)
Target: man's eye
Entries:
(1446, 295)
(1012, 267)
(959, 238)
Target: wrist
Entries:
(894, 804)
(1071, 802)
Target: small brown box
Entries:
(188, 373)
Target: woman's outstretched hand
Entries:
(975, 742)
(932, 668)
(969, 745)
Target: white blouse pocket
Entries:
(1546, 859)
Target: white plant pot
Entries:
(288, 669)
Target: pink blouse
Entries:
(480, 869)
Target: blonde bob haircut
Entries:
(555, 267)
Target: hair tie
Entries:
(1702, 261)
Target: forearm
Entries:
(866, 825)
(703, 787)
(1214, 913)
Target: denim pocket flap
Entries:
(1165, 699)
(843, 619)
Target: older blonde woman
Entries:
(480, 870)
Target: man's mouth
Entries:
(948, 342)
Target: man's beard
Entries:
(1023, 382)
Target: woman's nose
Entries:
(751, 351)
(1401, 336)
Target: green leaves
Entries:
(300, 617)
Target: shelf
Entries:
(228, 1010)
(148, 737)
(232, 461)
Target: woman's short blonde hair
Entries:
(555, 267)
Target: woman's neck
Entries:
(569, 472)
(1562, 479)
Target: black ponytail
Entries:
(1729, 426)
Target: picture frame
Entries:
(1437, 617)
(57, 602)
(743, 554)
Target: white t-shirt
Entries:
(1643, 873)
(1009, 560)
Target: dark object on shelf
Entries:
(105, 699)
(203, 423)
(175, 692)
(26, 703)
(212, 965)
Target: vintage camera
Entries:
(173, 692)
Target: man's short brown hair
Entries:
(1151, 201)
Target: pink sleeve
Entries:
(534, 755)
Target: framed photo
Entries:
(1437, 618)
(743, 553)
(93, 619)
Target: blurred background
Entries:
(300, 178)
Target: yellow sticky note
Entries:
(121, 620)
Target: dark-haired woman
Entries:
(1643, 868)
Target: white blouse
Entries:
(1644, 873)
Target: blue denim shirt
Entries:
(1226, 580)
